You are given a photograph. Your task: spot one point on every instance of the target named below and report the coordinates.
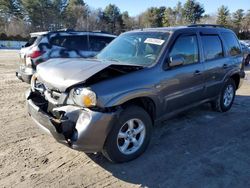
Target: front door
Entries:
(183, 85)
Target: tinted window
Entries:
(71, 42)
(58, 41)
(232, 43)
(30, 41)
(187, 47)
(212, 47)
(97, 43)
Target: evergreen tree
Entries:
(75, 11)
(153, 17)
(238, 19)
(246, 21)
(178, 14)
(40, 13)
(192, 11)
(11, 8)
(223, 16)
(169, 17)
(113, 18)
(127, 21)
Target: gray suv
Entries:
(110, 103)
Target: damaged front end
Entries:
(62, 103)
(80, 128)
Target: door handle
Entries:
(197, 72)
(225, 66)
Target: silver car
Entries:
(110, 103)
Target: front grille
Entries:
(51, 95)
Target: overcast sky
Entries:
(135, 7)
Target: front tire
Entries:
(226, 97)
(129, 136)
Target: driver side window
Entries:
(187, 47)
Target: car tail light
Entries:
(34, 53)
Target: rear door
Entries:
(215, 63)
(234, 53)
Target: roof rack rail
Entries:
(78, 31)
(205, 25)
(100, 31)
(65, 29)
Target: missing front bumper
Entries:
(91, 127)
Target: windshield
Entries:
(139, 48)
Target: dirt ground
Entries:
(199, 148)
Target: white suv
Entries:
(59, 44)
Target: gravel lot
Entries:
(199, 148)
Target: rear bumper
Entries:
(92, 127)
(25, 73)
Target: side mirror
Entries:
(176, 60)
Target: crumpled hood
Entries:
(61, 73)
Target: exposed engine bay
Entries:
(111, 72)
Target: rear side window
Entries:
(212, 47)
(187, 47)
(232, 43)
(30, 42)
(58, 41)
(97, 43)
(71, 42)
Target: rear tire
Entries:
(226, 97)
(129, 136)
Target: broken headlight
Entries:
(83, 97)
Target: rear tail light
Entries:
(35, 53)
(31, 55)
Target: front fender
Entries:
(133, 94)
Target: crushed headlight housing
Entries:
(83, 97)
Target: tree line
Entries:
(20, 17)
